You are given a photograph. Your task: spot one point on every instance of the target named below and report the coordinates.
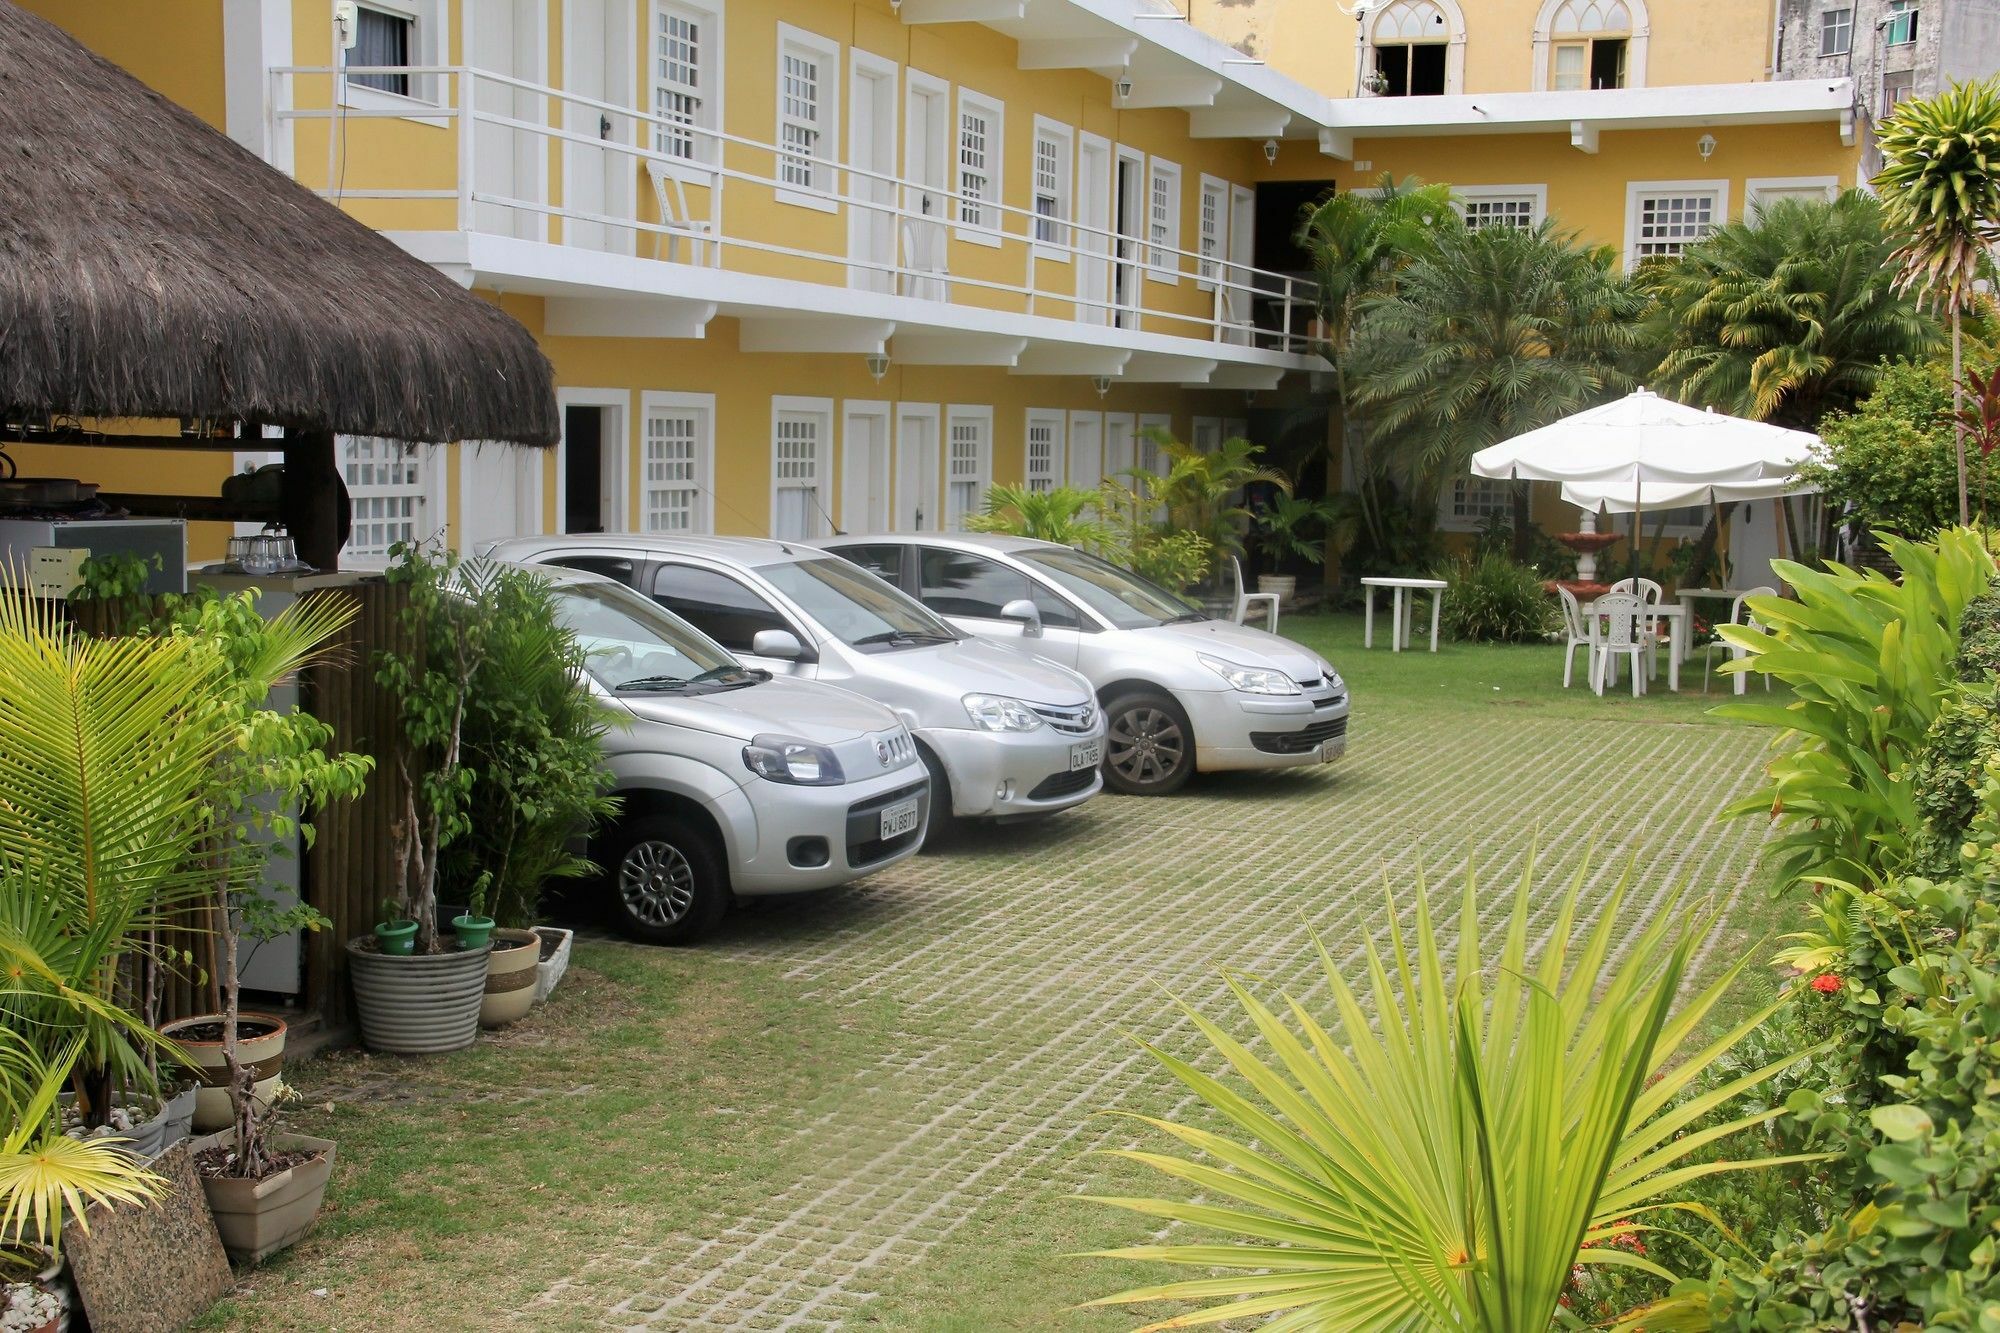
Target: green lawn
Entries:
(874, 1106)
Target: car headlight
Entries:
(787, 759)
(1249, 679)
(991, 712)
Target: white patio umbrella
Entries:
(1618, 499)
(1648, 448)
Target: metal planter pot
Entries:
(510, 977)
(257, 1218)
(425, 1004)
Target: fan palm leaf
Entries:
(1452, 1146)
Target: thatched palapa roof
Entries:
(150, 266)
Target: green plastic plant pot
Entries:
(474, 932)
(398, 939)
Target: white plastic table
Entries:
(1401, 591)
(1687, 597)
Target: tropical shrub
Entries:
(1493, 600)
(1948, 771)
(1402, 1171)
(531, 737)
(1203, 492)
(1064, 515)
(1293, 528)
(1979, 636)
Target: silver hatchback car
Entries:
(1181, 689)
(1007, 736)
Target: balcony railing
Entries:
(632, 181)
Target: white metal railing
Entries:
(1109, 271)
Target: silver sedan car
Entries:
(1181, 689)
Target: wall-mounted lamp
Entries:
(1123, 87)
(895, 6)
(1101, 383)
(1271, 152)
(878, 365)
(1705, 145)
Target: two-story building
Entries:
(807, 264)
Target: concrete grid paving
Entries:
(1019, 959)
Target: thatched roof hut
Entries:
(152, 267)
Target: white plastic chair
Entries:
(1577, 636)
(1738, 615)
(670, 194)
(1651, 594)
(1246, 600)
(1617, 629)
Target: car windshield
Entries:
(1120, 596)
(634, 646)
(854, 606)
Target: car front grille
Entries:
(1063, 784)
(1301, 741)
(1079, 720)
(865, 845)
(894, 748)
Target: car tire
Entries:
(938, 829)
(665, 880)
(1148, 744)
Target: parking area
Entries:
(868, 1109)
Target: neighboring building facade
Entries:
(1893, 50)
(807, 264)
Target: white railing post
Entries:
(462, 86)
(1287, 345)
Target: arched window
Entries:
(1581, 44)
(1415, 48)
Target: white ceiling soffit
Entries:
(1796, 101)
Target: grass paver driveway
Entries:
(870, 1109)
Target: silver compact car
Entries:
(1181, 690)
(731, 782)
(1007, 736)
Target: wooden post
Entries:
(313, 496)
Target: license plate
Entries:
(899, 819)
(1330, 751)
(1085, 755)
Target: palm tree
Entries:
(1494, 332)
(1359, 240)
(1063, 514)
(1940, 186)
(1785, 318)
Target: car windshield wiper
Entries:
(1186, 618)
(720, 673)
(904, 636)
(652, 683)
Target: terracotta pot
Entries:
(426, 1004)
(266, 1053)
(555, 962)
(257, 1218)
(511, 973)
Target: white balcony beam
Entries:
(1050, 358)
(1337, 144)
(1075, 52)
(1259, 379)
(1167, 368)
(1583, 136)
(1190, 90)
(924, 348)
(822, 333)
(1213, 122)
(962, 11)
(626, 317)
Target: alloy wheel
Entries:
(1147, 745)
(656, 883)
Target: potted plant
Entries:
(426, 1002)
(1291, 528)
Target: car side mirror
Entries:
(779, 643)
(1023, 610)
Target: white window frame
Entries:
(822, 192)
(1140, 444)
(1827, 28)
(820, 411)
(430, 37)
(1638, 191)
(1163, 234)
(1496, 498)
(1542, 75)
(701, 408)
(711, 60)
(955, 415)
(1894, 14)
(1535, 196)
(989, 226)
(1757, 187)
(1057, 422)
(427, 517)
(1211, 222)
(1062, 138)
(1908, 89)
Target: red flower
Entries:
(1826, 983)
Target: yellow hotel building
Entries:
(802, 264)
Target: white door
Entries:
(597, 64)
(1242, 248)
(871, 147)
(1086, 450)
(500, 493)
(1093, 211)
(507, 37)
(921, 245)
(864, 469)
(1129, 199)
(1119, 435)
(917, 468)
